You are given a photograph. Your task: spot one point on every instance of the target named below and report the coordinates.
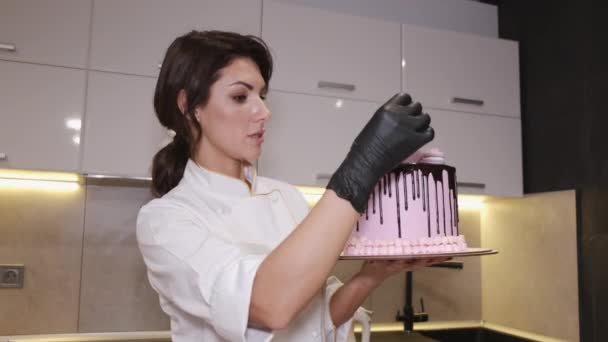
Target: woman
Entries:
(236, 257)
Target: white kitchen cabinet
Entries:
(46, 32)
(326, 53)
(41, 112)
(307, 136)
(461, 72)
(122, 133)
(486, 151)
(131, 36)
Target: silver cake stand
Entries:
(469, 252)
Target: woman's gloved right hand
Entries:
(394, 132)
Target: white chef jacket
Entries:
(202, 244)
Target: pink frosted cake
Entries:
(412, 210)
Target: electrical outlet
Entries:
(11, 276)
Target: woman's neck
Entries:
(220, 163)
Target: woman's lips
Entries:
(257, 137)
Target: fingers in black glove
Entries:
(395, 131)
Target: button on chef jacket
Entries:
(203, 242)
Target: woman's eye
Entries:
(240, 98)
(263, 97)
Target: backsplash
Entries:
(116, 295)
(42, 230)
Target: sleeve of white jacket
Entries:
(197, 271)
(332, 333)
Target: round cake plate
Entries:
(467, 253)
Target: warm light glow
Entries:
(381, 327)
(39, 175)
(312, 194)
(467, 202)
(28, 184)
(38, 180)
(74, 124)
(471, 202)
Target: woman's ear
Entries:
(182, 101)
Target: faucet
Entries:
(409, 316)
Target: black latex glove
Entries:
(395, 131)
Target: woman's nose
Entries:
(262, 112)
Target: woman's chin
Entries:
(251, 159)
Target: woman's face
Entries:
(233, 119)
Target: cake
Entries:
(413, 209)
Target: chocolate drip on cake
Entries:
(384, 187)
(397, 200)
(424, 194)
(437, 207)
(424, 171)
(451, 214)
(380, 202)
(443, 207)
(428, 211)
(380, 207)
(404, 188)
(413, 186)
(418, 175)
(420, 188)
(374, 201)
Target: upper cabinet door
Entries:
(122, 133)
(326, 53)
(308, 136)
(39, 120)
(131, 36)
(462, 72)
(46, 32)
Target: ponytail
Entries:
(168, 166)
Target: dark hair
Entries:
(192, 63)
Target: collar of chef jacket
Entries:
(219, 183)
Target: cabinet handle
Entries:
(463, 100)
(3, 156)
(8, 47)
(471, 185)
(323, 178)
(344, 86)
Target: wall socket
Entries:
(11, 276)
